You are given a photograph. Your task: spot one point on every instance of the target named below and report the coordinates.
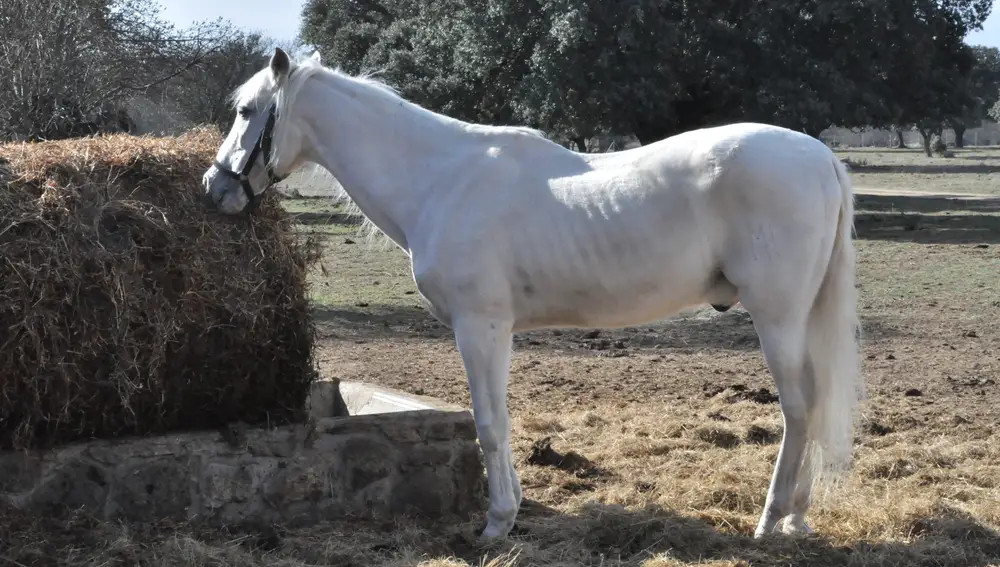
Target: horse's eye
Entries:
(245, 111)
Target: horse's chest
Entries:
(434, 300)
(433, 288)
(441, 315)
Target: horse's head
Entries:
(260, 149)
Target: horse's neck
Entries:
(382, 155)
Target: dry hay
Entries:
(130, 309)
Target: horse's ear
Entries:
(315, 56)
(280, 64)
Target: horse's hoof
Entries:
(721, 308)
(766, 526)
(496, 530)
(793, 527)
(491, 536)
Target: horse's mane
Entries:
(364, 84)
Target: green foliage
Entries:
(982, 84)
(580, 68)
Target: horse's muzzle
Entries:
(208, 199)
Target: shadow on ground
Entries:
(599, 534)
(926, 203)
(378, 322)
(705, 329)
(324, 218)
(936, 169)
(928, 219)
(611, 532)
(602, 534)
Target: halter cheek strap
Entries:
(263, 145)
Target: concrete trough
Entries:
(368, 452)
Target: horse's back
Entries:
(747, 173)
(747, 145)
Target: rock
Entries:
(424, 463)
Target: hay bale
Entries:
(127, 308)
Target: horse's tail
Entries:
(832, 338)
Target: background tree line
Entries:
(76, 67)
(577, 69)
(652, 68)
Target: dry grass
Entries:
(665, 494)
(970, 170)
(128, 308)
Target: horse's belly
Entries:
(636, 266)
(591, 303)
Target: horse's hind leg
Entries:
(778, 274)
(795, 522)
(783, 343)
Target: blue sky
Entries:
(990, 34)
(280, 18)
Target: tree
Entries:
(939, 95)
(982, 85)
(593, 69)
(201, 94)
(346, 30)
(67, 67)
(578, 68)
(921, 71)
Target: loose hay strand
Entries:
(127, 308)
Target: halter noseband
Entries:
(263, 145)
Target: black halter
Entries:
(263, 145)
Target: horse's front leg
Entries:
(485, 346)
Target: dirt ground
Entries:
(653, 446)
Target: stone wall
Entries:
(416, 463)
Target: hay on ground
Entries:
(127, 308)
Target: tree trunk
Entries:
(645, 138)
(581, 143)
(925, 135)
(647, 135)
(813, 131)
(899, 134)
(959, 135)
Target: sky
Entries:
(990, 34)
(279, 19)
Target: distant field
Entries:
(971, 170)
(678, 418)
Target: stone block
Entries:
(422, 462)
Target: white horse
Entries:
(507, 231)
